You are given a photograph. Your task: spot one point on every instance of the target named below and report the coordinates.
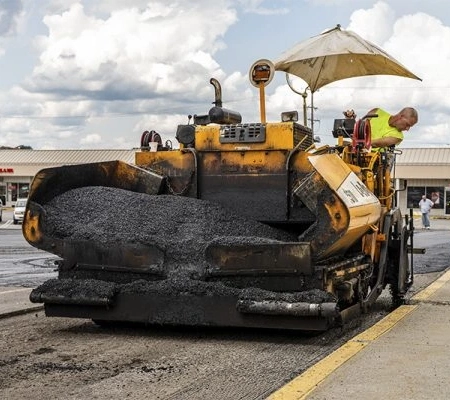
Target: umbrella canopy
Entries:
(338, 54)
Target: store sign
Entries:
(6, 170)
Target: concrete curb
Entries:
(306, 383)
(22, 311)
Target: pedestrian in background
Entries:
(425, 207)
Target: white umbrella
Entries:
(338, 54)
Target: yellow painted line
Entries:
(430, 290)
(304, 384)
(385, 324)
(15, 291)
(300, 387)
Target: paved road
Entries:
(75, 358)
(22, 265)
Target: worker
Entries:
(387, 130)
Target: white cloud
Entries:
(148, 51)
(376, 22)
(263, 7)
(106, 70)
(93, 138)
(11, 18)
(10, 14)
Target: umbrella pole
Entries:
(312, 111)
(305, 109)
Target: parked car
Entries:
(19, 211)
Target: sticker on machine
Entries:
(354, 193)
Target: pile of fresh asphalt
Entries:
(181, 227)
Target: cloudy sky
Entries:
(97, 73)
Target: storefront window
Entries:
(23, 190)
(414, 195)
(3, 194)
(18, 190)
(447, 204)
(435, 194)
(12, 188)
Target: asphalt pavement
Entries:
(435, 223)
(406, 355)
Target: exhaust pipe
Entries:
(219, 115)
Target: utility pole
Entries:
(312, 112)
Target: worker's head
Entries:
(405, 119)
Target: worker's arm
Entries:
(385, 142)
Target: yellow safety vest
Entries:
(380, 128)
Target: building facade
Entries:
(420, 171)
(417, 171)
(18, 167)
